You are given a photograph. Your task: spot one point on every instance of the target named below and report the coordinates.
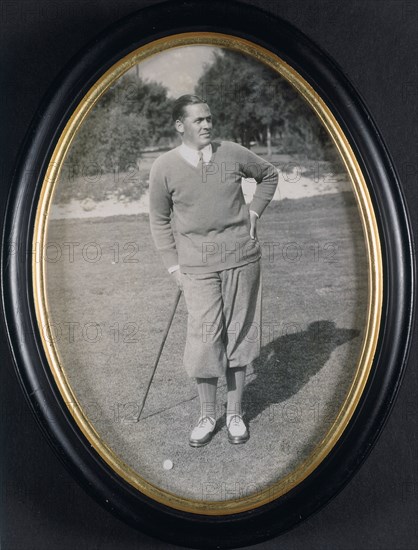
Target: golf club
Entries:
(176, 301)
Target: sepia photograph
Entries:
(207, 275)
(206, 278)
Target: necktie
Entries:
(200, 163)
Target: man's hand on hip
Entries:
(253, 224)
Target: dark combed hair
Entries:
(182, 102)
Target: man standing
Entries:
(207, 237)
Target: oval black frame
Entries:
(32, 368)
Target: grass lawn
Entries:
(109, 303)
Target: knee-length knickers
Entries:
(224, 319)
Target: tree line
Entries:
(250, 104)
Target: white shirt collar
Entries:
(192, 155)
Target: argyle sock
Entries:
(235, 381)
(206, 388)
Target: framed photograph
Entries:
(207, 274)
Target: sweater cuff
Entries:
(169, 257)
(258, 205)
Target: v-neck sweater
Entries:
(198, 215)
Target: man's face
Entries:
(196, 126)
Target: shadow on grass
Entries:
(287, 363)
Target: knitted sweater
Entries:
(198, 215)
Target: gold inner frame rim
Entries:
(372, 244)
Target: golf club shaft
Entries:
(176, 301)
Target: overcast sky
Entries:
(178, 68)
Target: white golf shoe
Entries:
(237, 430)
(202, 433)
